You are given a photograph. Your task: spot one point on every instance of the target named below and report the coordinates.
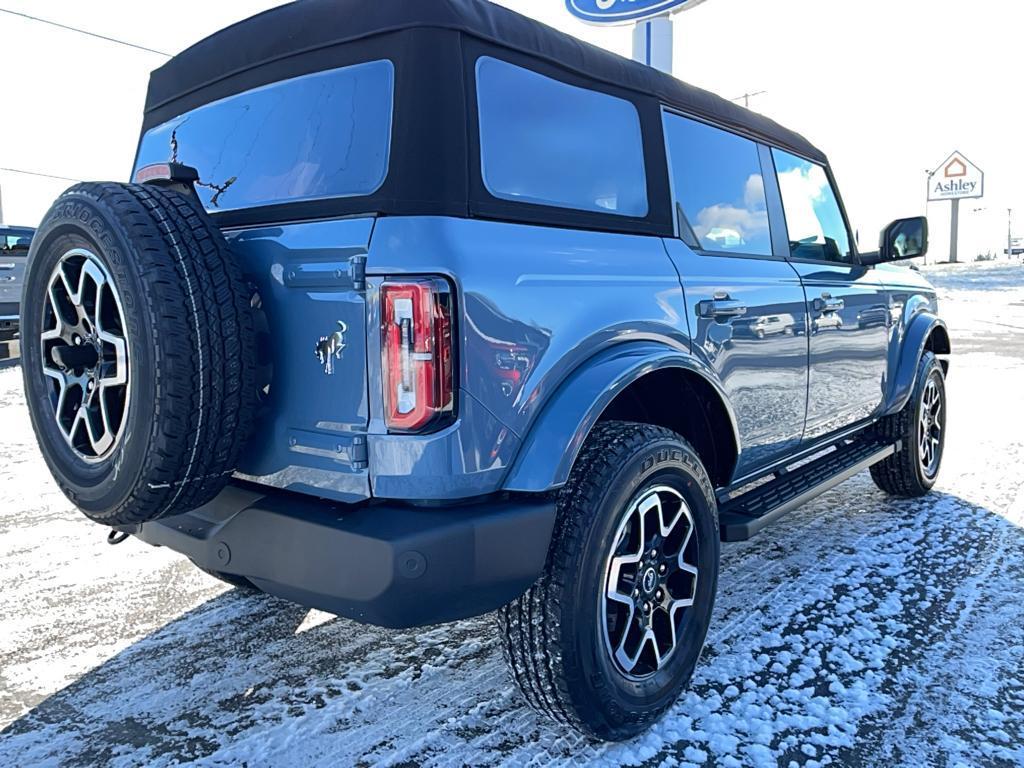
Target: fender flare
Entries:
(557, 434)
(914, 340)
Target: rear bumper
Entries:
(390, 565)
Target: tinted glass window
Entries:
(716, 178)
(322, 135)
(815, 223)
(19, 241)
(543, 141)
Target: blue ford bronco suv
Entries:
(420, 310)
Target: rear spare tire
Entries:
(138, 351)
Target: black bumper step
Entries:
(744, 515)
(386, 564)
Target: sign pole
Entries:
(954, 230)
(652, 42)
(651, 19)
(955, 180)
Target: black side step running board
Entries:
(742, 516)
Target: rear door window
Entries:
(813, 218)
(546, 142)
(321, 135)
(717, 182)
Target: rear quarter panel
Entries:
(534, 303)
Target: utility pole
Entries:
(747, 96)
(927, 200)
(1009, 233)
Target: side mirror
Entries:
(903, 239)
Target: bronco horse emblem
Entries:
(329, 348)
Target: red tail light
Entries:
(416, 346)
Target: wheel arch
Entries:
(926, 333)
(621, 384)
(938, 343)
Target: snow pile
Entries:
(862, 630)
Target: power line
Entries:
(84, 32)
(745, 98)
(37, 173)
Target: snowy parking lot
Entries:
(860, 630)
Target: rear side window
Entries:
(717, 181)
(815, 223)
(321, 135)
(546, 142)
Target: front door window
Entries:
(816, 226)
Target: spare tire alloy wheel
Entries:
(84, 351)
(651, 580)
(139, 351)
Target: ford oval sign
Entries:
(622, 11)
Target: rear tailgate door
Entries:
(311, 434)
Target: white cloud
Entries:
(719, 222)
(801, 188)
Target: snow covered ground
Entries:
(861, 631)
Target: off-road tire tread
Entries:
(898, 474)
(203, 340)
(530, 625)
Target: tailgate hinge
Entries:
(359, 272)
(360, 455)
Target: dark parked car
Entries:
(14, 244)
(425, 310)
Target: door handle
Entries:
(827, 304)
(7, 265)
(721, 306)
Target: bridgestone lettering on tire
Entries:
(138, 351)
(567, 640)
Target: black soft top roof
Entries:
(307, 27)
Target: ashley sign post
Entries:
(955, 180)
(652, 33)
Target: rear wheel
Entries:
(920, 430)
(611, 632)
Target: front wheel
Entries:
(920, 431)
(610, 634)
